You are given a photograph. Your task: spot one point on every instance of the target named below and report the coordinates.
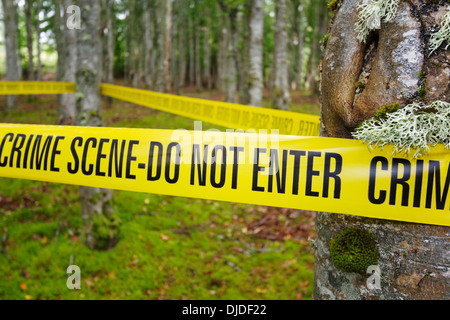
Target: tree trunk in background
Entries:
(148, 43)
(58, 28)
(256, 53)
(413, 258)
(191, 41)
(197, 39)
(320, 29)
(134, 45)
(167, 47)
(67, 110)
(38, 34)
(221, 59)
(241, 47)
(207, 50)
(232, 52)
(12, 57)
(280, 90)
(29, 27)
(99, 226)
(297, 54)
(160, 40)
(109, 78)
(230, 69)
(182, 47)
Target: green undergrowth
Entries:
(169, 247)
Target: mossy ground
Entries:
(169, 247)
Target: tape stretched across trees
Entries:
(35, 87)
(310, 173)
(228, 115)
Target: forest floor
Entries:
(169, 248)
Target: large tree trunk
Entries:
(256, 53)
(12, 57)
(67, 110)
(413, 258)
(280, 89)
(100, 227)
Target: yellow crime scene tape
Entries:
(309, 173)
(35, 87)
(228, 115)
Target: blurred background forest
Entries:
(255, 52)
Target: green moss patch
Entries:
(354, 250)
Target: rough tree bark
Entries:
(280, 89)
(100, 226)
(414, 258)
(256, 53)
(10, 20)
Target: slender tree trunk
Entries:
(222, 56)
(29, 26)
(230, 69)
(182, 47)
(241, 47)
(38, 33)
(58, 26)
(413, 258)
(301, 41)
(110, 42)
(256, 53)
(100, 227)
(12, 57)
(207, 51)
(280, 90)
(167, 47)
(320, 29)
(160, 43)
(148, 43)
(191, 50)
(67, 110)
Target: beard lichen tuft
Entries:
(371, 15)
(413, 127)
(441, 36)
(354, 250)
